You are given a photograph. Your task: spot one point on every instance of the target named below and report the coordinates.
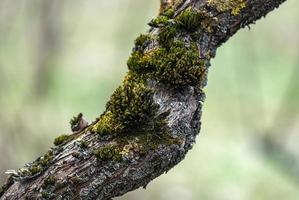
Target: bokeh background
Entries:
(62, 57)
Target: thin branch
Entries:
(150, 121)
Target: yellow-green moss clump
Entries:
(84, 144)
(61, 139)
(75, 120)
(189, 20)
(130, 107)
(131, 115)
(50, 181)
(109, 152)
(48, 187)
(178, 66)
(175, 62)
(159, 21)
(141, 42)
(235, 6)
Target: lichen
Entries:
(234, 6)
(132, 147)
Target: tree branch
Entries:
(152, 119)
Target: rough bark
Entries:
(74, 170)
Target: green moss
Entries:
(75, 120)
(45, 194)
(35, 169)
(109, 152)
(50, 181)
(61, 139)
(175, 62)
(159, 21)
(131, 111)
(189, 20)
(178, 66)
(48, 186)
(141, 42)
(46, 159)
(107, 124)
(84, 144)
(235, 6)
(132, 103)
(169, 13)
(131, 114)
(166, 36)
(138, 62)
(130, 107)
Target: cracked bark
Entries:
(89, 178)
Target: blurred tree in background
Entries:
(59, 58)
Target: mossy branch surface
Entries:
(152, 119)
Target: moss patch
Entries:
(61, 139)
(166, 36)
(189, 20)
(50, 181)
(178, 66)
(84, 144)
(159, 21)
(175, 62)
(235, 6)
(141, 42)
(130, 107)
(109, 152)
(131, 114)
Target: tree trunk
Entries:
(152, 119)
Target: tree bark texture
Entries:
(151, 121)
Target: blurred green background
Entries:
(62, 57)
